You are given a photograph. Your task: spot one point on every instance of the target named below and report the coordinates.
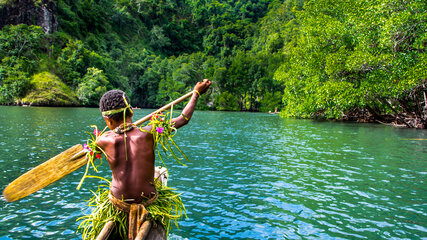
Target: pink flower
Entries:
(96, 132)
(159, 129)
(86, 148)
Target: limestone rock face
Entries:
(41, 13)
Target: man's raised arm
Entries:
(184, 118)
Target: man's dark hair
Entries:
(111, 100)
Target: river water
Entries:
(251, 176)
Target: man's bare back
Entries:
(133, 166)
(133, 178)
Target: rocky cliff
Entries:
(30, 12)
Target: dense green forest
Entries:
(335, 59)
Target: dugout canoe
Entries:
(149, 231)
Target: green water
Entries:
(251, 176)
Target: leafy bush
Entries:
(93, 86)
(226, 102)
(270, 101)
(47, 89)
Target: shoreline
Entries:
(388, 120)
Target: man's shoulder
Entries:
(107, 134)
(106, 137)
(111, 136)
(140, 136)
(141, 132)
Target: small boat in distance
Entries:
(275, 111)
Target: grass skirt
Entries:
(168, 207)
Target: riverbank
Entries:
(356, 116)
(399, 120)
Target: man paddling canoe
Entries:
(131, 155)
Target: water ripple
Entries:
(251, 176)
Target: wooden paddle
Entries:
(61, 165)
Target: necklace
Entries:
(122, 129)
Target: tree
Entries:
(74, 61)
(93, 86)
(158, 39)
(14, 81)
(352, 55)
(20, 41)
(19, 47)
(226, 102)
(148, 86)
(169, 90)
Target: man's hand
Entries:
(202, 87)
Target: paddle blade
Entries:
(46, 173)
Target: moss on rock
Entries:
(48, 90)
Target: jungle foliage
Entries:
(357, 59)
(361, 59)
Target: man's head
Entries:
(113, 103)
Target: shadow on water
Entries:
(251, 176)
